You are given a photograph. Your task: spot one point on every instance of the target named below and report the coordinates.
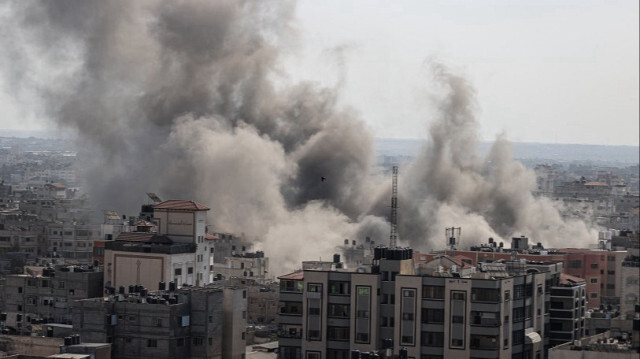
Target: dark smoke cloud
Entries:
(188, 99)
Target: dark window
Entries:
(177, 271)
(152, 343)
(338, 333)
(432, 292)
(339, 288)
(574, 264)
(485, 295)
(432, 339)
(594, 265)
(190, 270)
(457, 319)
(432, 316)
(338, 310)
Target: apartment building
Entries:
(567, 310)
(177, 252)
(598, 267)
(46, 295)
(191, 322)
(439, 309)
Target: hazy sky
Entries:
(544, 71)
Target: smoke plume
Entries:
(187, 99)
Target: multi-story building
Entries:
(191, 322)
(630, 279)
(177, 252)
(567, 310)
(72, 241)
(250, 265)
(598, 267)
(438, 309)
(46, 294)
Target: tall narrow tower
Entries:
(393, 237)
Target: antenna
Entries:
(453, 237)
(393, 237)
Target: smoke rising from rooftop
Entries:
(180, 98)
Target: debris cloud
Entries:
(188, 99)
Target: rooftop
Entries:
(181, 205)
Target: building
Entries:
(438, 309)
(599, 267)
(630, 279)
(191, 322)
(595, 347)
(46, 295)
(177, 252)
(567, 310)
(249, 265)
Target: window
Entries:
(408, 293)
(594, 280)
(362, 337)
(314, 311)
(312, 287)
(190, 270)
(364, 291)
(152, 343)
(457, 295)
(339, 288)
(19, 289)
(177, 271)
(485, 295)
(72, 292)
(313, 355)
(338, 310)
(338, 333)
(457, 319)
(313, 334)
(574, 264)
(507, 295)
(594, 295)
(594, 265)
(518, 291)
(198, 340)
(432, 339)
(407, 316)
(432, 316)
(157, 322)
(432, 292)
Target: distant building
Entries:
(192, 322)
(46, 295)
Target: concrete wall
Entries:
(30, 345)
(235, 309)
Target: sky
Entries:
(544, 71)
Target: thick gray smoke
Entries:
(488, 196)
(180, 98)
